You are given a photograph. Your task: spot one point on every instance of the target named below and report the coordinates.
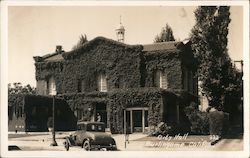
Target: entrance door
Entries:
(101, 109)
(137, 120)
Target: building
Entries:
(31, 113)
(137, 86)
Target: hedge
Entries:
(199, 120)
(43, 110)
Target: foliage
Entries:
(129, 73)
(81, 42)
(36, 110)
(165, 35)
(199, 120)
(209, 42)
(162, 129)
(119, 62)
(216, 120)
(119, 100)
(167, 62)
(17, 88)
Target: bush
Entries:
(162, 129)
(216, 122)
(199, 120)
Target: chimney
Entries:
(59, 49)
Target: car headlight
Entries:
(112, 145)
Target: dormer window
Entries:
(160, 79)
(102, 83)
(52, 86)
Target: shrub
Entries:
(216, 119)
(199, 120)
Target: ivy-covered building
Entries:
(134, 85)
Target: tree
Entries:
(82, 40)
(165, 35)
(17, 88)
(209, 43)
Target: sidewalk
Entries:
(137, 142)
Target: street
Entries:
(137, 142)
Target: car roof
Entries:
(89, 122)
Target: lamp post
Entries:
(54, 143)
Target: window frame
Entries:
(102, 83)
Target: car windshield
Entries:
(95, 127)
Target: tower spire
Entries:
(120, 31)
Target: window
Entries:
(191, 82)
(20, 111)
(185, 79)
(52, 86)
(79, 114)
(146, 118)
(80, 86)
(156, 78)
(160, 79)
(163, 80)
(102, 83)
(188, 80)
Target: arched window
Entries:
(52, 86)
(102, 83)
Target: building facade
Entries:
(132, 87)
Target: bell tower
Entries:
(120, 32)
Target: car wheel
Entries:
(86, 145)
(66, 145)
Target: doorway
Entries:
(101, 109)
(136, 119)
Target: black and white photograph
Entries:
(124, 79)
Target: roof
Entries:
(54, 57)
(172, 46)
(95, 42)
(120, 27)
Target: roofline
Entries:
(99, 38)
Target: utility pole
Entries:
(125, 129)
(54, 143)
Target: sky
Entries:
(36, 30)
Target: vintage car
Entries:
(91, 136)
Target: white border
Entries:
(4, 81)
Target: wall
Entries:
(144, 97)
(44, 70)
(165, 61)
(120, 63)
